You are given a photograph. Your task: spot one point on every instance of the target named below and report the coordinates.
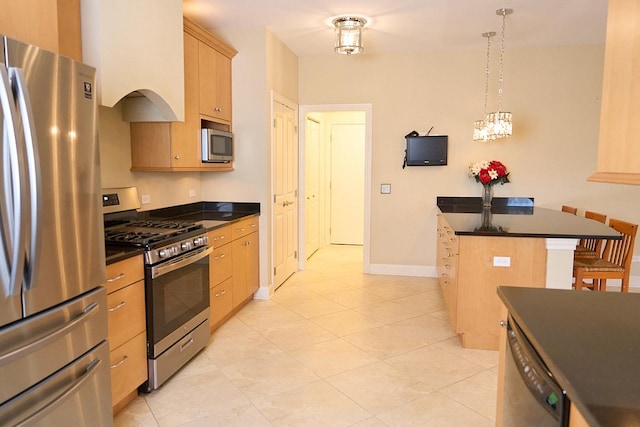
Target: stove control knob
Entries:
(199, 241)
(163, 253)
(185, 246)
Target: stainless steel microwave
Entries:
(217, 146)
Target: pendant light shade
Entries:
(499, 122)
(349, 34)
(481, 130)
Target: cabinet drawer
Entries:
(128, 367)
(220, 264)
(244, 227)
(126, 313)
(221, 300)
(220, 236)
(123, 273)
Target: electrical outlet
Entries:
(501, 261)
(385, 188)
(192, 193)
(635, 258)
(145, 199)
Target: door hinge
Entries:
(295, 129)
(274, 122)
(274, 271)
(295, 194)
(274, 198)
(295, 254)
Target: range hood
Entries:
(137, 50)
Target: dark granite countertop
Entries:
(590, 341)
(115, 253)
(211, 214)
(517, 217)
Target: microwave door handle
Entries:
(13, 201)
(33, 173)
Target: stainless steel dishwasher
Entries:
(532, 397)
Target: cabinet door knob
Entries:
(502, 323)
(117, 307)
(115, 279)
(124, 359)
(177, 157)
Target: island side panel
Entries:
(478, 307)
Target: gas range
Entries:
(176, 280)
(160, 238)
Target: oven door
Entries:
(177, 298)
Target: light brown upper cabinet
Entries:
(53, 25)
(215, 84)
(619, 144)
(176, 146)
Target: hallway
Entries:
(332, 347)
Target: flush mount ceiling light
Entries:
(481, 131)
(499, 122)
(349, 34)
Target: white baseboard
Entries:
(262, 293)
(403, 270)
(430, 271)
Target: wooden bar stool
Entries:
(590, 248)
(614, 264)
(569, 209)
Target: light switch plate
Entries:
(501, 261)
(145, 199)
(385, 188)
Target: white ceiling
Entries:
(410, 25)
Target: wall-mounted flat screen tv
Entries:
(428, 150)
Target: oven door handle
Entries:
(190, 258)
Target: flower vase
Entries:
(487, 195)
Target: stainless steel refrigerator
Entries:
(54, 357)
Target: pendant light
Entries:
(480, 128)
(499, 122)
(349, 34)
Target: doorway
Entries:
(335, 153)
(346, 184)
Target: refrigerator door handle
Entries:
(49, 336)
(33, 176)
(13, 230)
(91, 370)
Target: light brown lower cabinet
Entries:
(221, 302)
(469, 279)
(233, 268)
(127, 329)
(128, 369)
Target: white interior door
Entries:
(347, 184)
(312, 186)
(285, 197)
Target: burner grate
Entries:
(148, 232)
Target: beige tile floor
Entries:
(332, 347)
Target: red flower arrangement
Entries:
(489, 172)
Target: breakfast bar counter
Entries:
(512, 244)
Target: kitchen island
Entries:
(590, 342)
(514, 244)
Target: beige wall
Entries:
(554, 94)
(164, 188)
(263, 64)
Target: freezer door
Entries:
(37, 347)
(57, 112)
(71, 397)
